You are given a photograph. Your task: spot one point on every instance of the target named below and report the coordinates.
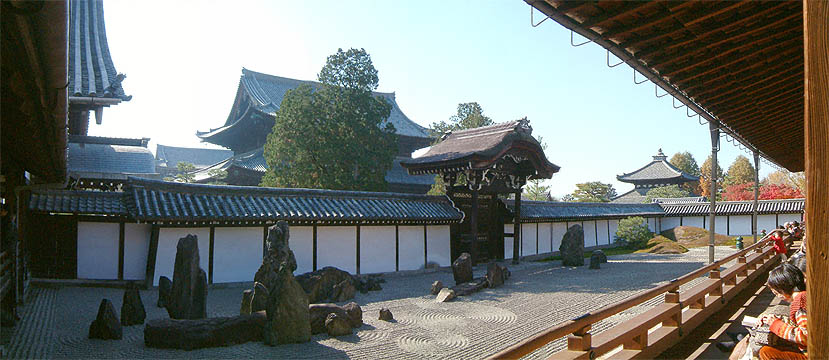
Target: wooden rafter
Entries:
(746, 91)
(625, 9)
(734, 81)
(680, 81)
(654, 20)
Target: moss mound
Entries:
(690, 236)
(663, 245)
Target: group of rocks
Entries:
(330, 284)
(465, 283)
(572, 249)
(107, 326)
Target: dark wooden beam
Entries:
(751, 90)
(745, 102)
(121, 250)
(358, 249)
(747, 73)
(625, 9)
(714, 92)
(152, 253)
(758, 53)
(516, 228)
(210, 255)
(566, 6)
(314, 246)
(651, 21)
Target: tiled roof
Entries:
(682, 200)
(398, 175)
(658, 169)
(110, 159)
(536, 211)
(483, 144)
(170, 156)
(736, 207)
(78, 202)
(91, 71)
(635, 196)
(153, 200)
(267, 92)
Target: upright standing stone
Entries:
(462, 269)
(386, 315)
(287, 307)
(595, 261)
(601, 255)
(106, 325)
(495, 275)
(132, 309)
(188, 297)
(572, 247)
(165, 286)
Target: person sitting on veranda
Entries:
(779, 245)
(788, 282)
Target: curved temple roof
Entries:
(91, 71)
(657, 171)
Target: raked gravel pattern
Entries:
(537, 296)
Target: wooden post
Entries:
(121, 244)
(516, 229)
(816, 128)
(715, 274)
(211, 246)
(152, 252)
(473, 223)
(580, 340)
(715, 146)
(672, 297)
(756, 194)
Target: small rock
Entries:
(337, 325)
(471, 287)
(445, 294)
(386, 315)
(595, 260)
(495, 275)
(355, 314)
(436, 286)
(132, 309)
(318, 313)
(462, 268)
(244, 308)
(106, 325)
(602, 256)
(165, 286)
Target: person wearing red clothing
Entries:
(787, 281)
(779, 245)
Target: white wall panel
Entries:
(377, 249)
(411, 247)
(766, 222)
(601, 234)
(166, 256)
(136, 246)
(98, 250)
(670, 222)
(559, 229)
(544, 238)
(302, 244)
(740, 225)
(693, 221)
(589, 233)
(438, 245)
(784, 218)
(614, 225)
(337, 247)
(528, 240)
(237, 253)
(721, 225)
(508, 242)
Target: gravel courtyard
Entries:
(538, 295)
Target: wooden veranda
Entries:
(758, 73)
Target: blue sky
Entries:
(183, 60)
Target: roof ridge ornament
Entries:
(659, 156)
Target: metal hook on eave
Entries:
(639, 82)
(686, 112)
(574, 44)
(656, 91)
(532, 22)
(607, 52)
(673, 102)
(701, 120)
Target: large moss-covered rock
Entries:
(572, 247)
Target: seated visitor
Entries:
(779, 246)
(787, 281)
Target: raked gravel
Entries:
(538, 295)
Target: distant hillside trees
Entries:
(685, 161)
(333, 137)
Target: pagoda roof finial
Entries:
(659, 156)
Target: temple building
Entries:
(168, 157)
(659, 172)
(252, 117)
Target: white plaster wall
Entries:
(784, 218)
(528, 240)
(693, 221)
(602, 233)
(590, 233)
(165, 259)
(438, 248)
(740, 225)
(302, 244)
(559, 229)
(766, 222)
(411, 247)
(670, 222)
(97, 250)
(721, 225)
(337, 247)
(508, 247)
(545, 238)
(237, 253)
(614, 225)
(136, 246)
(377, 249)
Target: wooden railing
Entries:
(6, 273)
(652, 332)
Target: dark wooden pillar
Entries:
(816, 128)
(152, 252)
(473, 223)
(516, 230)
(756, 195)
(712, 210)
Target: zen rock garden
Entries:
(465, 284)
(279, 309)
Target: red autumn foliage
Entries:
(767, 192)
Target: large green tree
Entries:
(594, 191)
(705, 178)
(740, 172)
(335, 136)
(685, 161)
